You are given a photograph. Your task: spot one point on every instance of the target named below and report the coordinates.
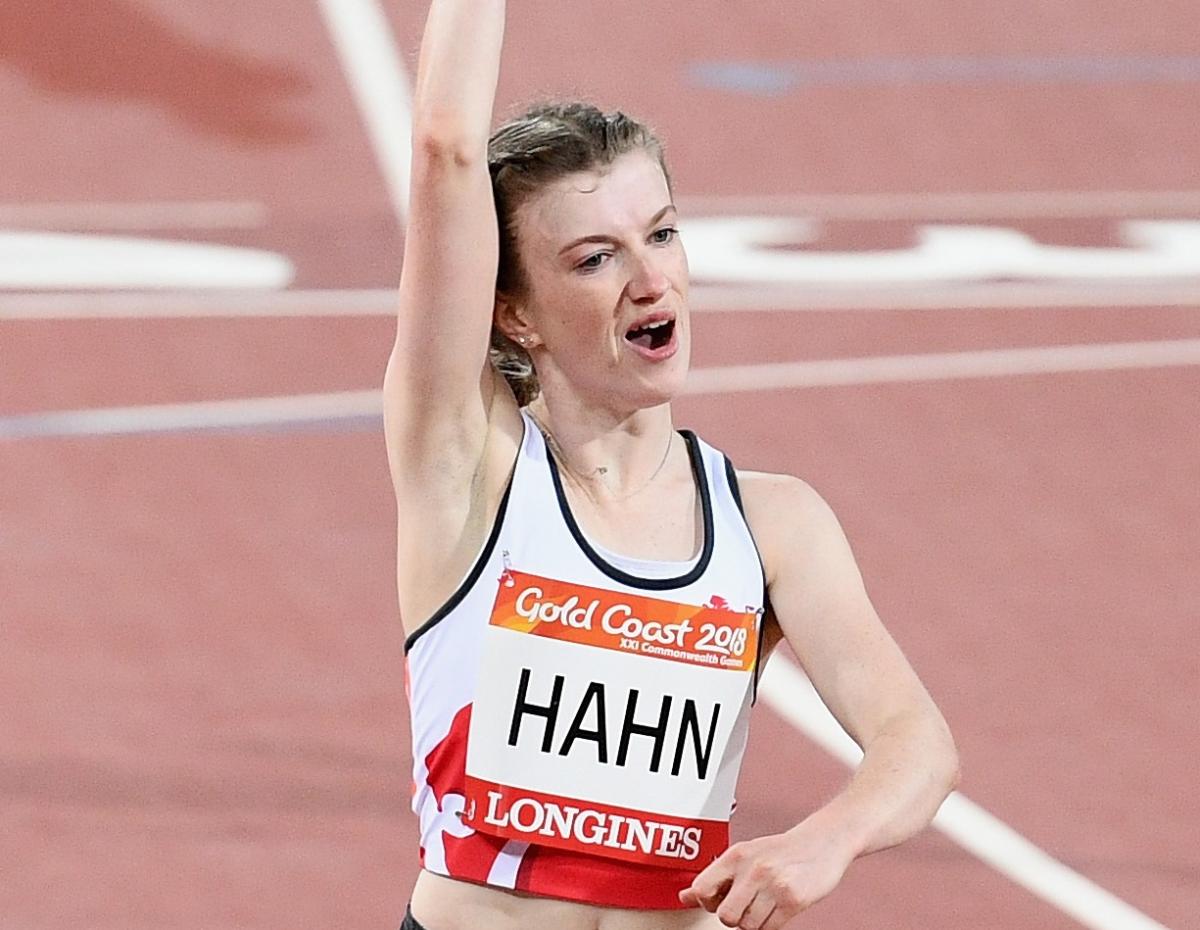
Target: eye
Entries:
(664, 235)
(592, 262)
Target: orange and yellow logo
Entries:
(710, 635)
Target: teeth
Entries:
(657, 325)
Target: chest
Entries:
(664, 524)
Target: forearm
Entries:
(437, 376)
(458, 69)
(905, 774)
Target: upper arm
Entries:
(437, 382)
(823, 611)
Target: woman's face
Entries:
(606, 284)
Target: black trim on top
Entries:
(473, 576)
(634, 581)
(731, 477)
(758, 656)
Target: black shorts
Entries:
(410, 922)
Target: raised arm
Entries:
(438, 380)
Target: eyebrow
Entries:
(599, 237)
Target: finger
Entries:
(759, 912)
(733, 908)
(710, 896)
(687, 897)
(711, 885)
(778, 918)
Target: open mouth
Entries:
(652, 336)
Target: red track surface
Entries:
(204, 720)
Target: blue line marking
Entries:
(764, 78)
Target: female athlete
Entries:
(588, 593)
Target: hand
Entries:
(763, 883)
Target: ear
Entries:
(511, 317)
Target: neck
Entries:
(610, 454)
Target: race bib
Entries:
(609, 723)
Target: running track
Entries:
(204, 710)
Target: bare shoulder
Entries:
(788, 517)
(767, 489)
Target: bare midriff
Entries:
(441, 903)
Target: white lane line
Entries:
(135, 217)
(232, 304)
(323, 408)
(944, 366)
(369, 55)
(1012, 295)
(240, 413)
(957, 205)
(789, 692)
(704, 299)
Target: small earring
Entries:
(524, 340)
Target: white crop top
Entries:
(579, 717)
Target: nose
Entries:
(648, 283)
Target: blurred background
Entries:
(946, 267)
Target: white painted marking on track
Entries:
(956, 205)
(789, 692)
(321, 408)
(65, 261)
(231, 304)
(170, 304)
(757, 250)
(1011, 295)
(371, 59)
(239, 413)
(135, 217)
(945, 366)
